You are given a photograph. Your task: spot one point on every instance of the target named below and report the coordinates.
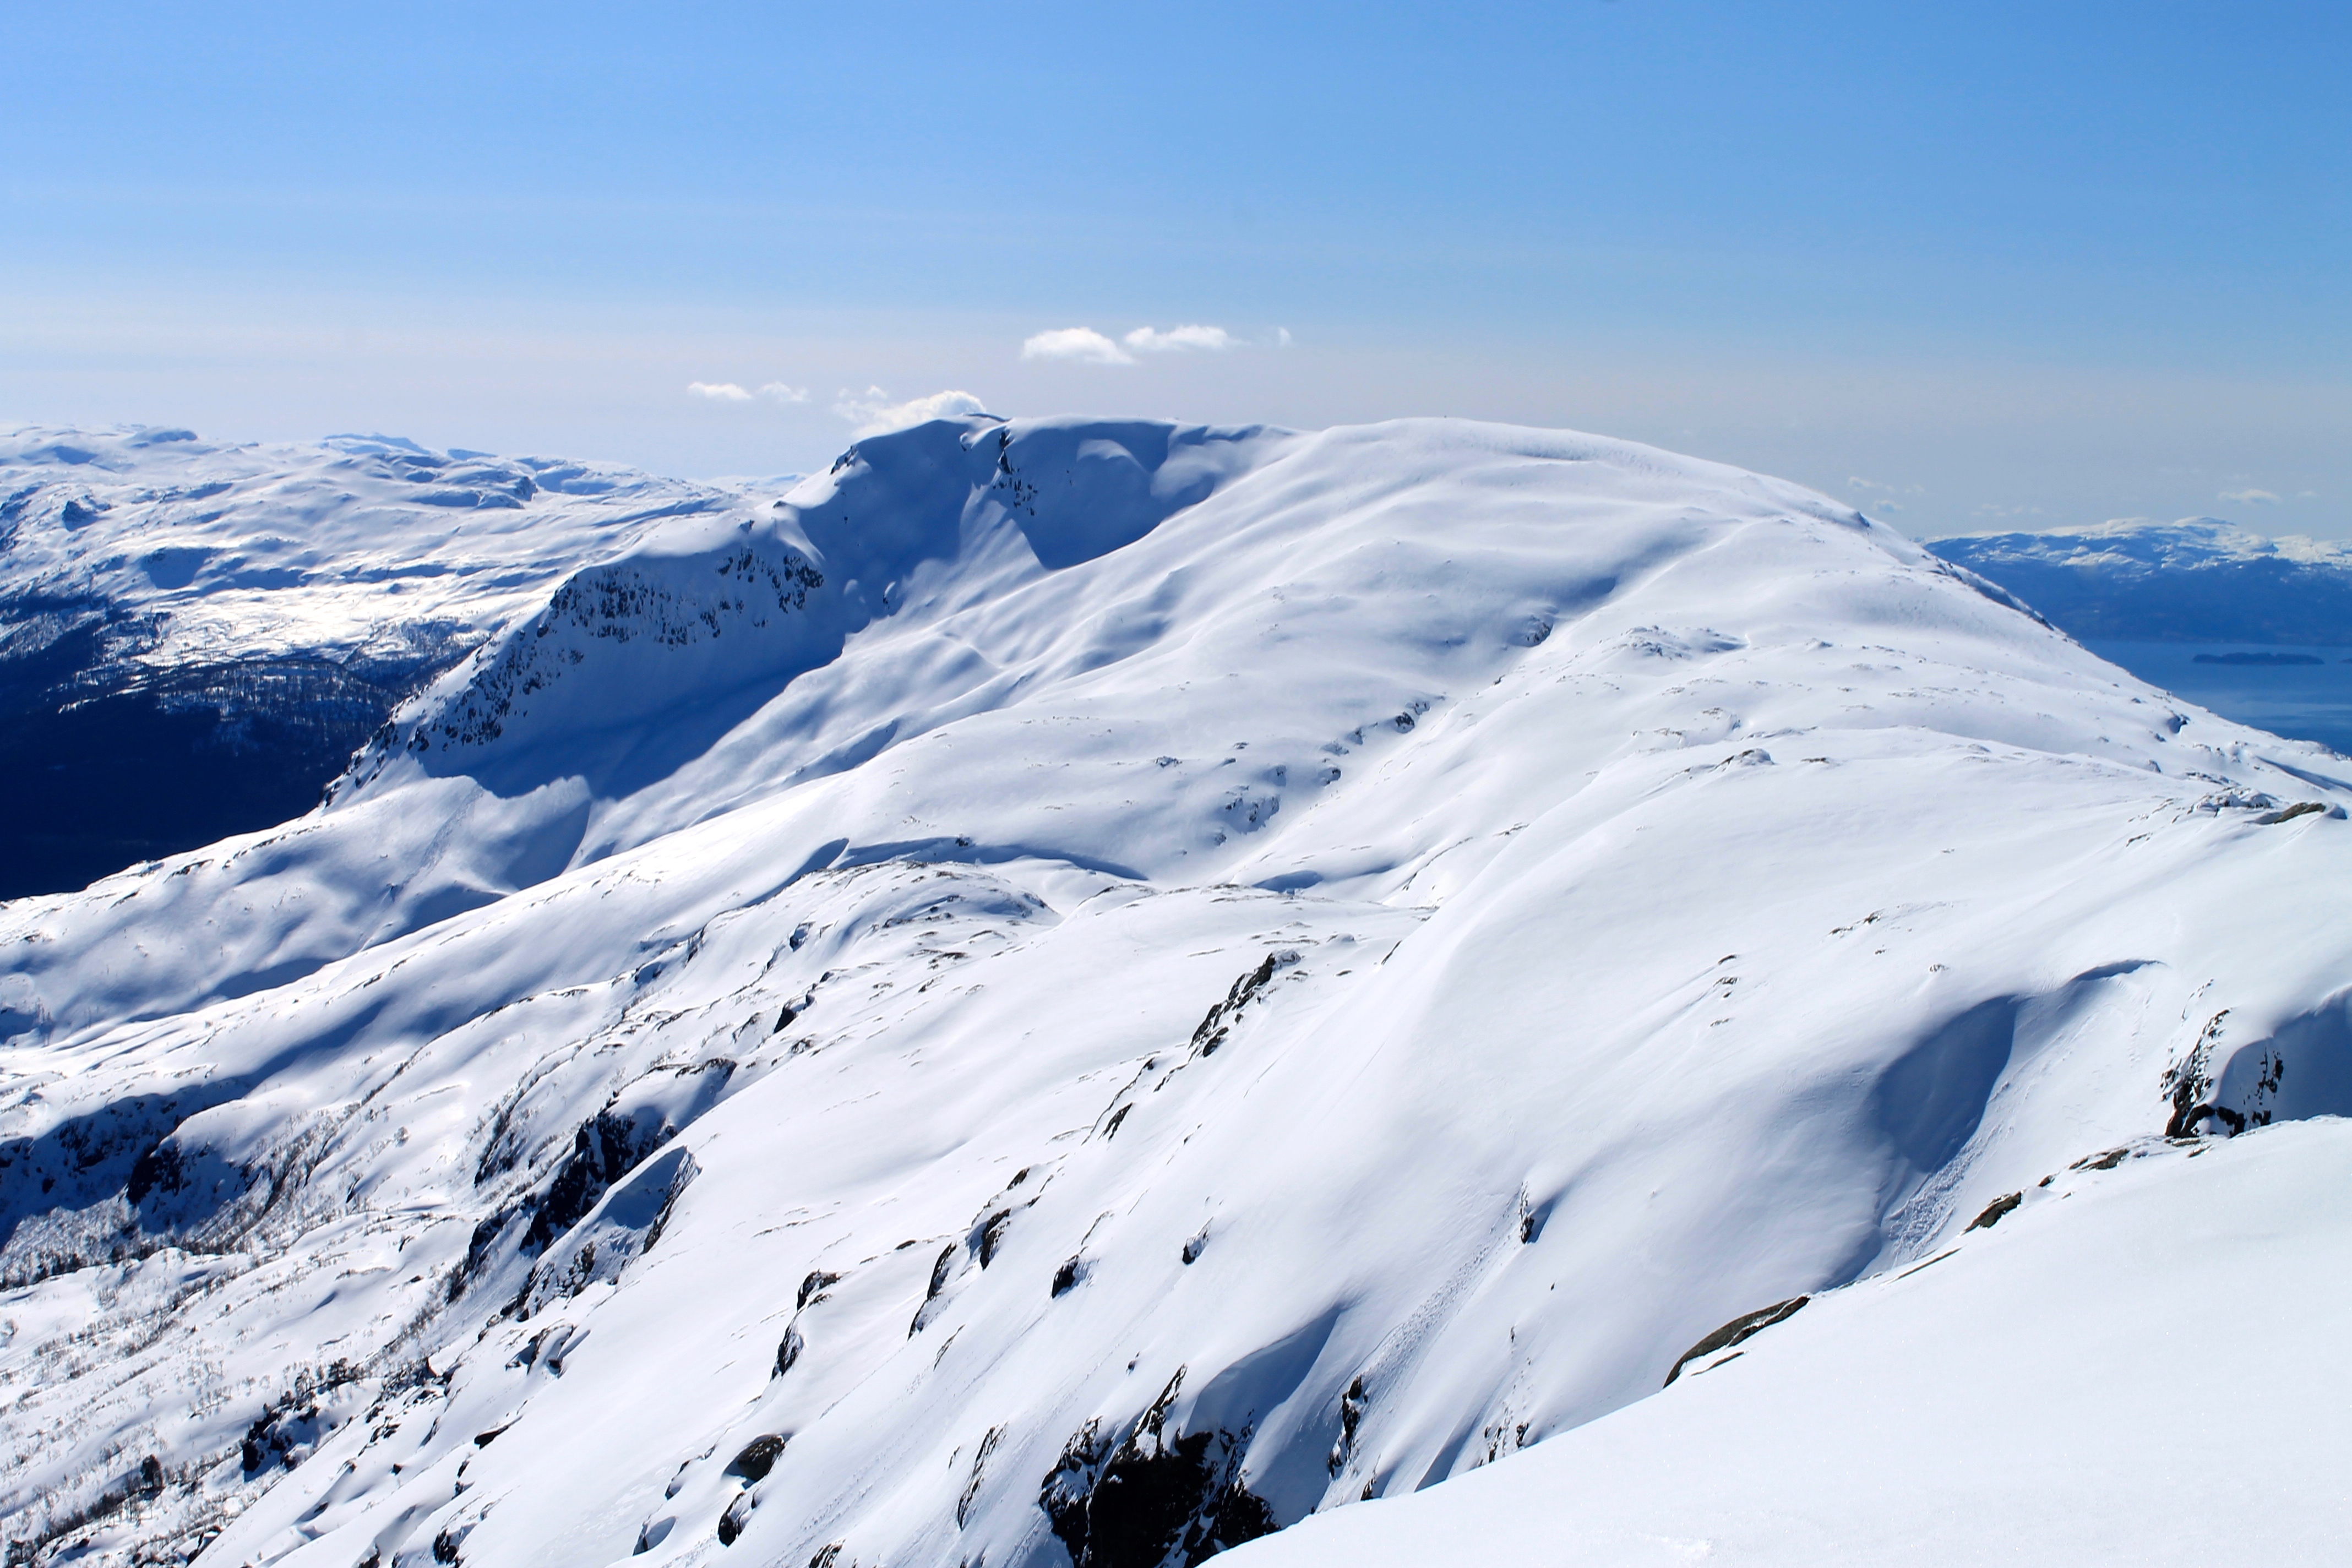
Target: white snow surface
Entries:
(2105, 1381)
(367, 550)
(1062, 945)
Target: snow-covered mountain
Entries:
(2198, 580)
(1085, 992)
(193, 636)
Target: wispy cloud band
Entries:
(1084, 345)
(730, 392)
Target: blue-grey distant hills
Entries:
(2198, 580)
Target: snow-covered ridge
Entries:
(1083, 991)
(972, 507)
(2197, 580)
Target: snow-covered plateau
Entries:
(195, 637)
(1084, 992)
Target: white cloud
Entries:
(2250, 498)
(1145, 340)
(1083, 344)
(728, 392)
(1282, 337)
(874, 412)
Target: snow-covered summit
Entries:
(1081, 992)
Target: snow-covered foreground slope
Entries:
(2150, 1374)
(193, 635)
(1088, 990)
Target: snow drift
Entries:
(1083, 991)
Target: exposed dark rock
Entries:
(1735, 1331)
(628, 1225)
(1352, 1405)
(939, 1272)
(1218, 1023)
(1994, 1211)
(979, 1474)
(604, 1149)
(814, 1287)
(1066, 1278)
(757, 1457)
(291, 1427)
(487, 1232)
(788, 1351)
(2189, 1082)
(2302, 808)
(991, 1234)
(1150, 1497)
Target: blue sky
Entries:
(1970, 264)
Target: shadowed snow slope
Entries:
(1086, 990)
(2047, 1395)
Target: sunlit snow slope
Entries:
(1083, 991)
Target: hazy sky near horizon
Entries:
(1970, 265)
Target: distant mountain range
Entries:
(195, 636)
(2198, 580)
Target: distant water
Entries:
(2305, 701)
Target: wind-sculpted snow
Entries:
(1083, 993)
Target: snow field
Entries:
(1314, 962)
